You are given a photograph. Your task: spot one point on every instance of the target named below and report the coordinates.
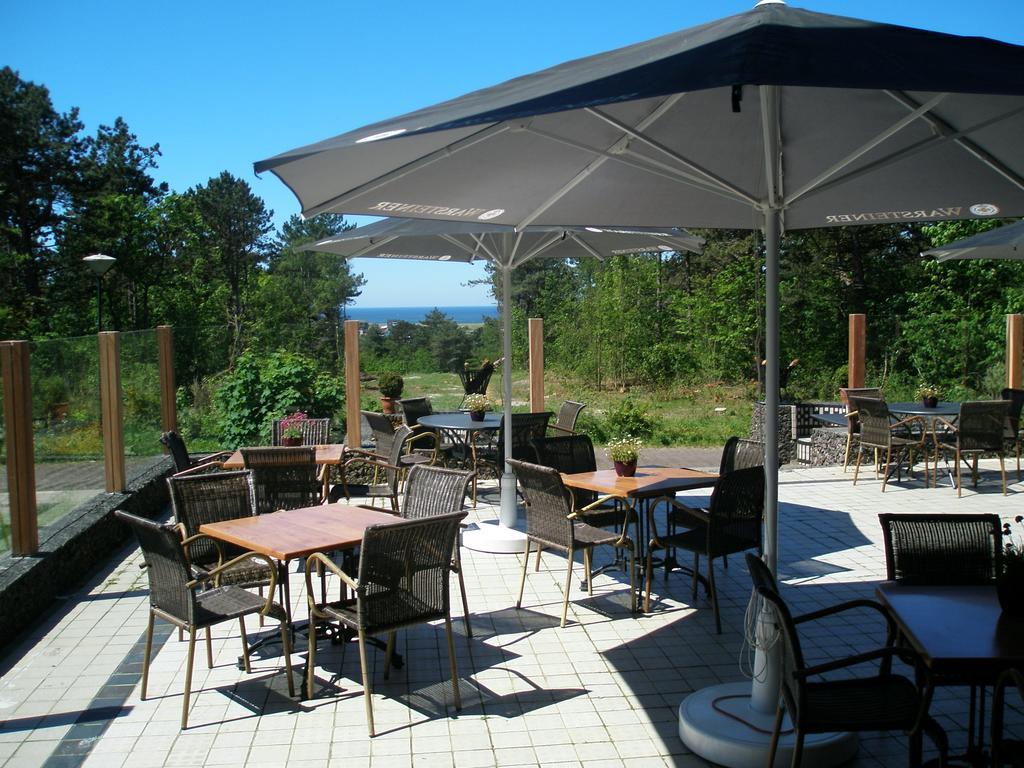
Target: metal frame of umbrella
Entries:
(773, 117)
(1006, 242)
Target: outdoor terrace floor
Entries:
(602, 691)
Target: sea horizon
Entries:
(472, 313)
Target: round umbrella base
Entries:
(494, 537)
(715, 736)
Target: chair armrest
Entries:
(361, 452)
(950, 426)
(381, 464)
(563, 430)
(326, 562)
(198, 469)
(188, 540)
(214, 574)
(907, 655)
(848, 606)
(919, 420)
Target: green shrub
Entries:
(628, 417)
(390, 384)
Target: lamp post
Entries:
(100, 264)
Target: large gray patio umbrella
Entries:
(1006, 242)
(506, 248)
(770, 119)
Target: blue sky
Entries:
(220, 84)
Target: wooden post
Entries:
(1014, 349)
(21, 469)
(856, 354)
(168, 399)
(352, 436)
(112, 411)
(536, 342)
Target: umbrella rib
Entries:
(947, 131)
(372, 245)
(482, 245)
(336, 202)
(537, 249)
(863, 149)
(459, 244)
(701, 173)
(927, 144)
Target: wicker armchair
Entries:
(570, 454)
(731, 523)
(852, 422)
(947, 548)
(211, 498)
(386, 471)
(174, 596)
(428, 442)
(883, 701)
(565, 422)
(402, 580)
(384, 436)
(528, 429)
(283, 477)
(314, 431)
(183, 461)
(432, 491)
(981, 428)
(879, 431)
(1013, 428)
(551, 522)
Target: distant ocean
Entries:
(380, 315)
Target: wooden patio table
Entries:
(636, 492)
(960, 632)
(325, 455)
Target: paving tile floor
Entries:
(602, 691)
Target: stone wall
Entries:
(828, 446)
(74, 548)
(787, 444)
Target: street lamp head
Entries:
(99, 263)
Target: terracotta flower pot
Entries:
(291, 441)
(625, 468)
(387, 404)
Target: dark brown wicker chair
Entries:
(314, 431)
(402, 580)
(741, 453)
(183, 462)
(283, 477)
(947, 548)
(1013, 428)
(852, 422)
(884, 701)
(384, 436)
(551, 522)
(565, 422)
(432, 491)
(211, 498)
(528, 429)
(879, 431)
(386, 471)
(174, 596)
(570, 454)
(980, 428)
(731, 523)
(425, 441)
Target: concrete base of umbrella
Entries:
(731, 725)
(502, 537)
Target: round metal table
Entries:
(944, 408)
(461, 429)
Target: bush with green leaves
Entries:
(264, 387)
(390, 384)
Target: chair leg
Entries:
(649, 575)
(586, 569)
(846, 455)
(632, 578)
(311, 657)
(188, 676)
(856, 466)
(798, 748)
(536, 565)
(773, 745)
(959, 484)
(465, 603)
(145, 659)
(456, 695)
(714, 594)
(568, 585)
(888, 465)
(1002, 472)
(245, 645)
(286, 648)
(209, 650)
(696, 570)
(367, 693)
(522, 581)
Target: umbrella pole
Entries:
(507, 516)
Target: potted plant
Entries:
(624, 453)
(1010, 581)
(477, 405)
(929, 395)
(291, 428)
(390, 385)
